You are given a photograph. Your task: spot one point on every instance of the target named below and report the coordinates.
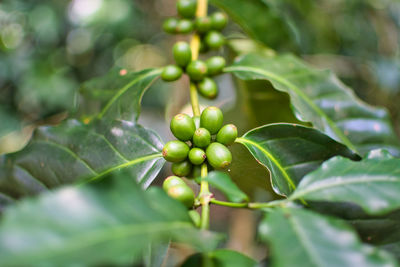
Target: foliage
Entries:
(78, 193)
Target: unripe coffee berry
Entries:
(197, 156)
(186, 8)
(175, 151)
(227, 135)
(181, 169)
(182, 126)
(171, 181)
(171, 73)
(218, 155)
(214, 40)
(196, 171)
(215, 65)
(203, 24)
(183, 194)
(208, 88)
(211, 118)
(196, 70)
(218, 21)
(201, 137)
(182, 53)
(170, 25)
(184, 26)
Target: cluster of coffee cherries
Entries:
(208, 27)
(198, 71)
(201, 140)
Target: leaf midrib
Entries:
(346, 181)
(303, 239)
(81, 241)
(125, 88)
(125, 165)
(243, 140)
(290, 85)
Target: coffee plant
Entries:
(335, 166)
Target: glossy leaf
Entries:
(321, 98)
(224, 183)
(255, 16)
(291, 151)
(373, 183)
(73, 152)
(220, 258)
(121, 92)
(299, 237)
(95, 224)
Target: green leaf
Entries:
(75, 152)
(255, 17)
(373, 183)
(95, 224)
(321, 98)
(220, 258)
(120, 92)
(155, 255)
(291, 151)
(224, 183)
(302, 238)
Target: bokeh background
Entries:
(49, 47)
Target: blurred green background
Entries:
(49, 47)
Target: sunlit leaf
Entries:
(321, 98)
(373, 183)
(302, 238)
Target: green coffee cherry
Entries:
(171, 73)
(218, 21)
(196, 120)
(211, 118)
(181, 169)
(186, 8)
(182, 53)
(182, 126)
(171, 181)
(227, 135)
(214, 40)
(170, 25)
(201, 137)
(184, 26)
(215, 65)
(195, 216)
(218, 155)
(208, 88)
(196, 172)
(196, 70)
(182, 193)
(203, 24)
(197, 156)
(175, 151)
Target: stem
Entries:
(195, 46)
(204, 195)
(194, 99)
(253, 205)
